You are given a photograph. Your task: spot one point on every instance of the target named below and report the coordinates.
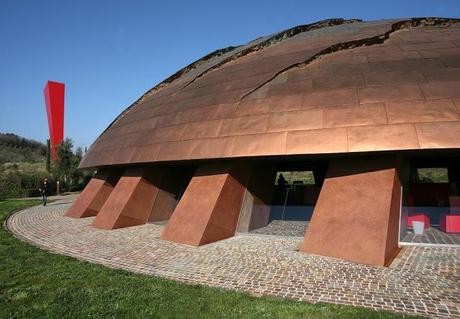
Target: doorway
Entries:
(295, 187)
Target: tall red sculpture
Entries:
(54, 99)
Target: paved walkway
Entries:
(421, 280)
(283, 228)
(432, 235)
(50, 198)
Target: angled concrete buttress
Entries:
(357, 213)
(210, 206)
(172, 185)
(255, 212)
(93, 197)
(132, 199)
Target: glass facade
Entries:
(294, 196)
(429, 198)
(293, 202)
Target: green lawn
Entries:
(38, 284)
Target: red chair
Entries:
(418, 217)
(450, 223)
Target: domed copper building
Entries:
(226, 144)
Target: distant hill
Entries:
(14, 148)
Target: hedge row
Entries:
(16, 184)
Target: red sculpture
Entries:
(54, 99)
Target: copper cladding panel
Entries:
(131, 202)
(422, 111)
(93, 197)
(298, 120)
(358, 115)
(390, 93)
(378, 92)
(439, 135)
(208, 211)
(330, 98)
(382, 137)
(317, 141)
(356, 215)
(259, 144)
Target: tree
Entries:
(77, 175)
(64, 166)
(48, 156)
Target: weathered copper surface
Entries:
(131, 201)
(210, 206)
(357, 213)
(353, 87)
(95, 194)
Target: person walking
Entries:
(44, 190)
(282, 181)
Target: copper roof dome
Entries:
(334, 86)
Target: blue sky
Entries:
(110, 52)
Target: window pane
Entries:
(432, 175)
(296, 177)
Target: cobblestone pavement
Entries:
(421, 280)
(432, 235)
(283, 228)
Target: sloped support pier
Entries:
(255, 212)
(132, 199)
(357, 213)
(210, 206)
(95, 194)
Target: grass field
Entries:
(38, 284)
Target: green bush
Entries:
(10, 186)
(15, 184)
(23, 179)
